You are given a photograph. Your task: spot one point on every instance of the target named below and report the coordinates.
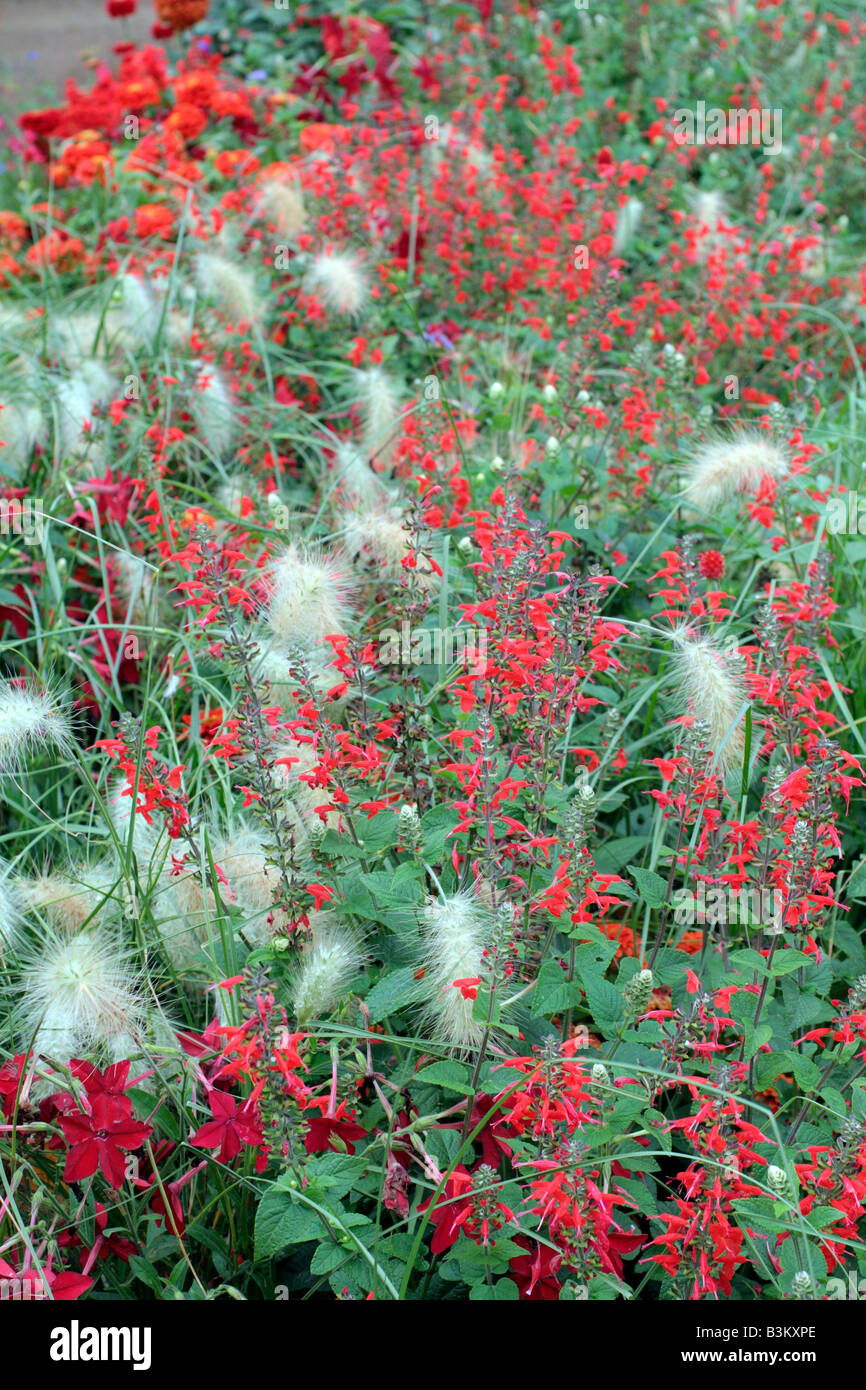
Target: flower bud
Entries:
(409, 824)
(636, 994)
(777, 1180)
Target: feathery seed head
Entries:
(379, 540)
(78, 993)
(380, 404)
(213, 410)
(722, 468)
(310, 597)
(457, 930)
(358, 480)
(338, 279)
(30, 718)
(229, 287)
(326, 969)
(712, 690)
(68, 901)
(281, 202)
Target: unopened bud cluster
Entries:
(636, 994)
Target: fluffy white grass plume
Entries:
(138, 308)
(338, 279)
(708, 206)
(254, 882)
(380, 404)
(627, 223)
(79, 993)
(237, 495)
(723, 467)
(70, 900)
(136, 583)
(75, 399)
(378, 540)
(186, 909)
(31, 719)
(457, 930)
(326, 969)
(713, 691)
(11, 905)
(213, 409)
(74, 337)
(708, 209)
(22, 427)
(281, 201)
(276, 667)
(229, 287)
(305, 797)
(359, 481)
(310, 597)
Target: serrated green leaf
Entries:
(449, 1074)
(651, 886)
(392, 993)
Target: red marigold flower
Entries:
(120, 9)
(712, 564)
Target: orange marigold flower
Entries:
(9, 268)
(319, 136)
(13, 230)
(153, 219)
(180, 14)
(231, 163)
(58, 249)
(188, 120)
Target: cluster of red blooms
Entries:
(155, 786)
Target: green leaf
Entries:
(448, 1074)
(855, 889)
(759, 1215)
(334, 1173)
(614, 855)
(786, 962)
(806, 1074)
(749, 960)
(670, 965)
(755, 1038)
(282, 1221)
(143, 1270)
(392, 993)
(604, 1002)
(393, 890)
(503, 1291)
(652, 887)
(554, 991)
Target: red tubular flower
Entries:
(535, 1273)
(324, 1128)
(451, 1211)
